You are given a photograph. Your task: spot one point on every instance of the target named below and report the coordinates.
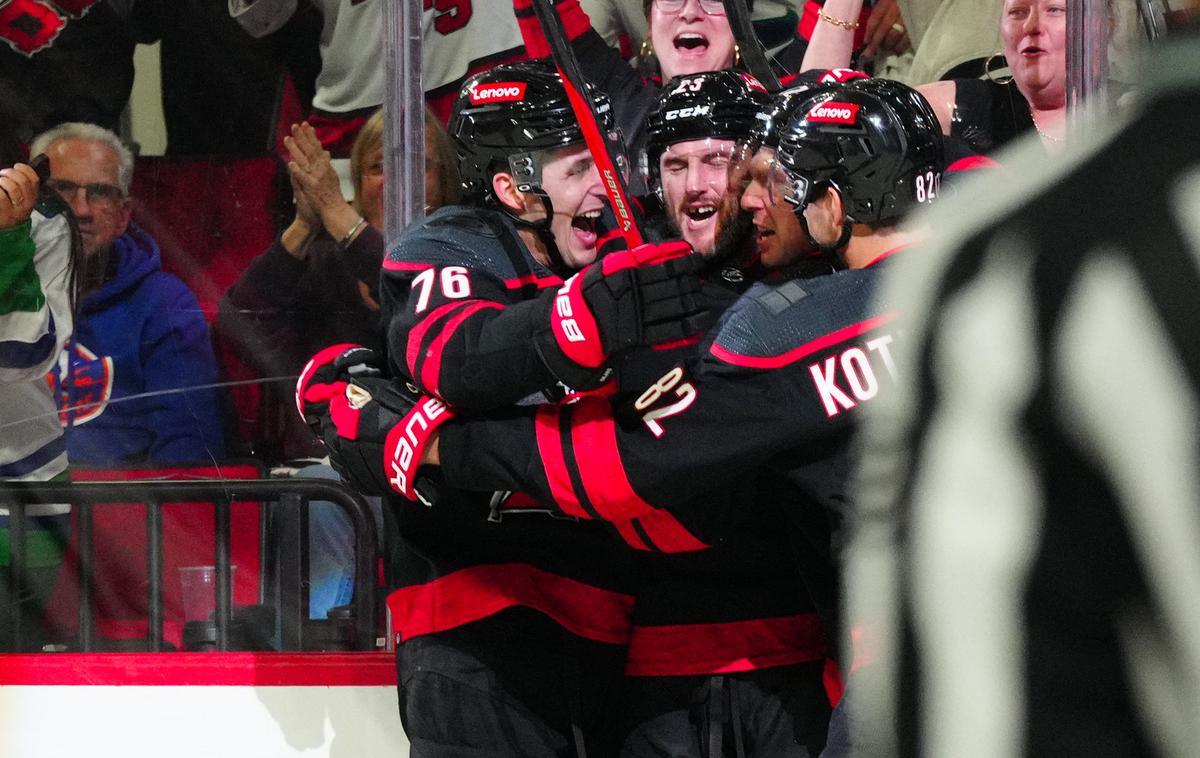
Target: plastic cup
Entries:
(198, 585)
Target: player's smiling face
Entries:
(778, 234)
(690, 41)
(572, 181)
(694, 175)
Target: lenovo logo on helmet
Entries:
(835, 113)
(499, 92)
(694, 111)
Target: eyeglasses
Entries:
(97, 193)
(710, 7)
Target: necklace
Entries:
(1047, 137)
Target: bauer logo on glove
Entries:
(405, 443)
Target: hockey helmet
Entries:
(876, 141)
(766, 127)
(713, 105)
(509, 118)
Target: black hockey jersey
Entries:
(782, 382)
(456, 294)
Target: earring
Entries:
(737, 55)
(647, 50)
(987, 69)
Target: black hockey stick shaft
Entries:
(750, 46)
(589, 120)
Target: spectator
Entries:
(68, 65)
(138, 382)
(316, 286)
(622, 23)
(350, 83)
(35, 321)
(990, 112)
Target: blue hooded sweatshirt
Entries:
(141, 342)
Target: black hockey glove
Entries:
(646, 296)
(375, 429)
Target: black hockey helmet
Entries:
(876, 141)
(765, 132)
(712, 105)
(508, 117)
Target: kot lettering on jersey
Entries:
(853, 375)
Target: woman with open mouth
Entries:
(686, 36)
(988, 113)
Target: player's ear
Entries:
(829, 204)
(505, 189)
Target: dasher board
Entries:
(199, 705)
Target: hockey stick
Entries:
(585, 111)
(750, 46)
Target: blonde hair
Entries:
(370, 138)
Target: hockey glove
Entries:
(376, 433)
(645, 296)
(326, 375)
(355, 429)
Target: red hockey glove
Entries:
(646, 296)
(376, 432)
(325, 376)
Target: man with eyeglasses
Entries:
(140, 334)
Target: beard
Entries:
(734, 245)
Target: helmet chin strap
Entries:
(542, 228)
(830, 252)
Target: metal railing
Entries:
(283, 547)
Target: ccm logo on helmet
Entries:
(500, 92)
(694, 111)
(835, 113)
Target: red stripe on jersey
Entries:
(594, 441)
(835, 683)
(630, 535)
(885, 255)
(390, 265)
(541, 282)
(548, 427)
(431, 370)
(412, 351)
(475, 593)
(721, 648)
(795, 354)
(668, 535)
(676, 344)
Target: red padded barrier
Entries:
(119, 544)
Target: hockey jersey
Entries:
(456, 293)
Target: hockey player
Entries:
(799, 346)
(511, 634)
(690, 138)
